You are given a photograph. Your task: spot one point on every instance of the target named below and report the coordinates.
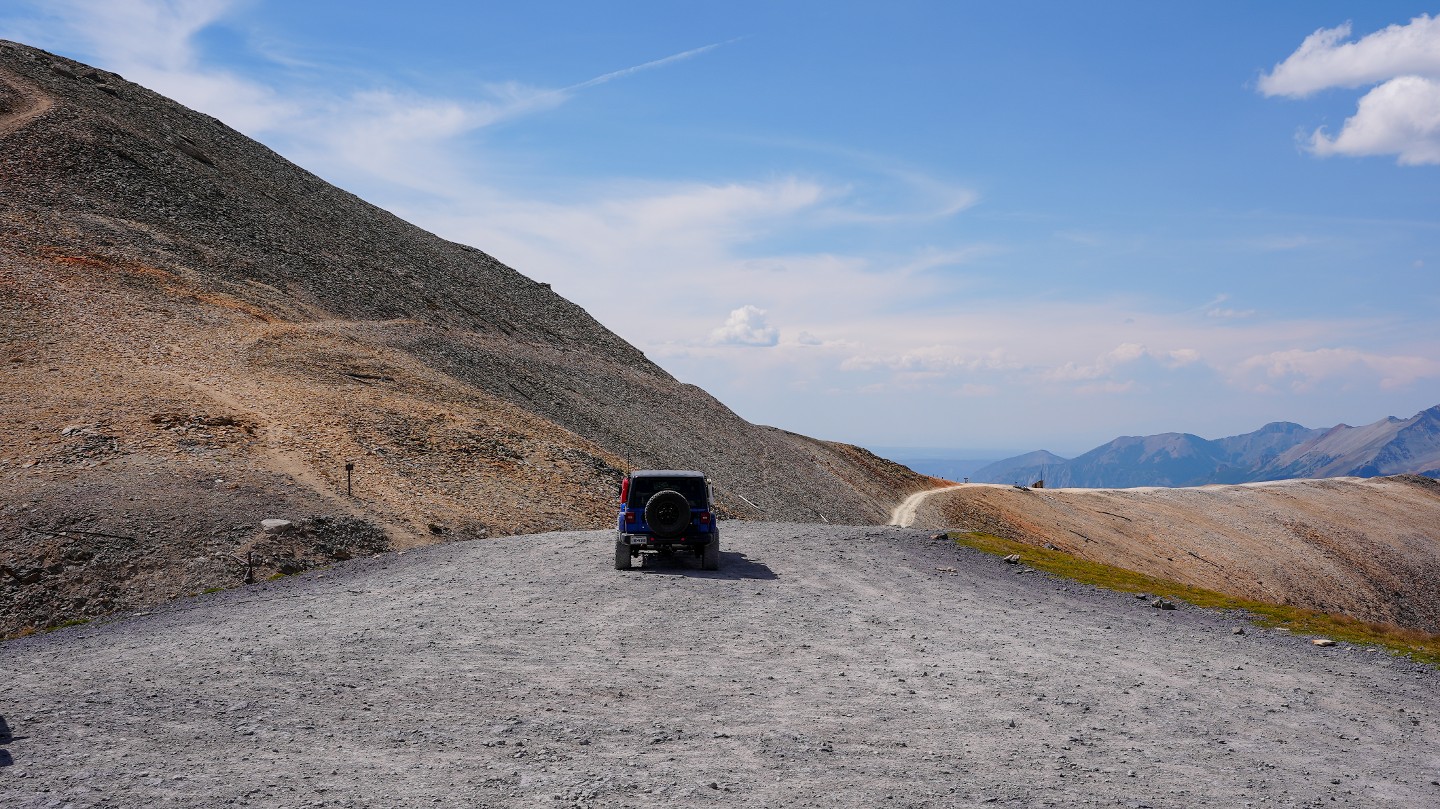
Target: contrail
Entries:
(629, 71)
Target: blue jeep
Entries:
(666, 511)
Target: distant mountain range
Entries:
(944, 463)
(1277, 451)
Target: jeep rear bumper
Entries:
(648, 541)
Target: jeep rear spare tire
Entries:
(667, 513)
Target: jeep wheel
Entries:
(668, 514)
(622, 555)
(710, 558)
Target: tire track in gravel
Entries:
(822, 666)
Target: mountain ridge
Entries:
(1277, 451)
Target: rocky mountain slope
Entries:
(198, 335)
(1364, 547)
(1277, 451)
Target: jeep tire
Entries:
(667, 513)
(710, 557)
(622, 555)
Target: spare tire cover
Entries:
(667, 513)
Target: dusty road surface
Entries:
(822, 666)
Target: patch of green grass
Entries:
(208, 590)
(71, 622)
(1421, 646)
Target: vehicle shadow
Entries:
(5, 738)
(733, 565)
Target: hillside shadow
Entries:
(733, 565)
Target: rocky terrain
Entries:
(199, 335)
(821, 666)
(385, 454)
(1277, 451)
(1367, 548)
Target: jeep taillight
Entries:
(630, 518)
(704, 518)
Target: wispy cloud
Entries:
(154, 33)
(1215, 311)
(1286, 242)
(1302, 369)
(152, 42)
(1224, 313)
(1103, 366)
(371, 131)
(630, 71)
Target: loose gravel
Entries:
(821, 666)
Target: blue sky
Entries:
(999, 226)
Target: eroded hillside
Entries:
(1368, 548)
(199, 335)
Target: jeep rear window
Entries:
(642, 489)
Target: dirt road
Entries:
(822, 666)
(904, 514)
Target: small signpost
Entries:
(349, 468)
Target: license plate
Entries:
(638, 540)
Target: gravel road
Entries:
(822, 666)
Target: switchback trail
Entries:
(823, 666)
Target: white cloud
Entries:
(857, 318)
(158, 33)
(397, 137)
(931, 359)
(1104, 365)
(932, 200)
(746, 326)
(1303, 369)
(152, 42)
(1400, 116)
(1324, 60)
(1181, 357)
